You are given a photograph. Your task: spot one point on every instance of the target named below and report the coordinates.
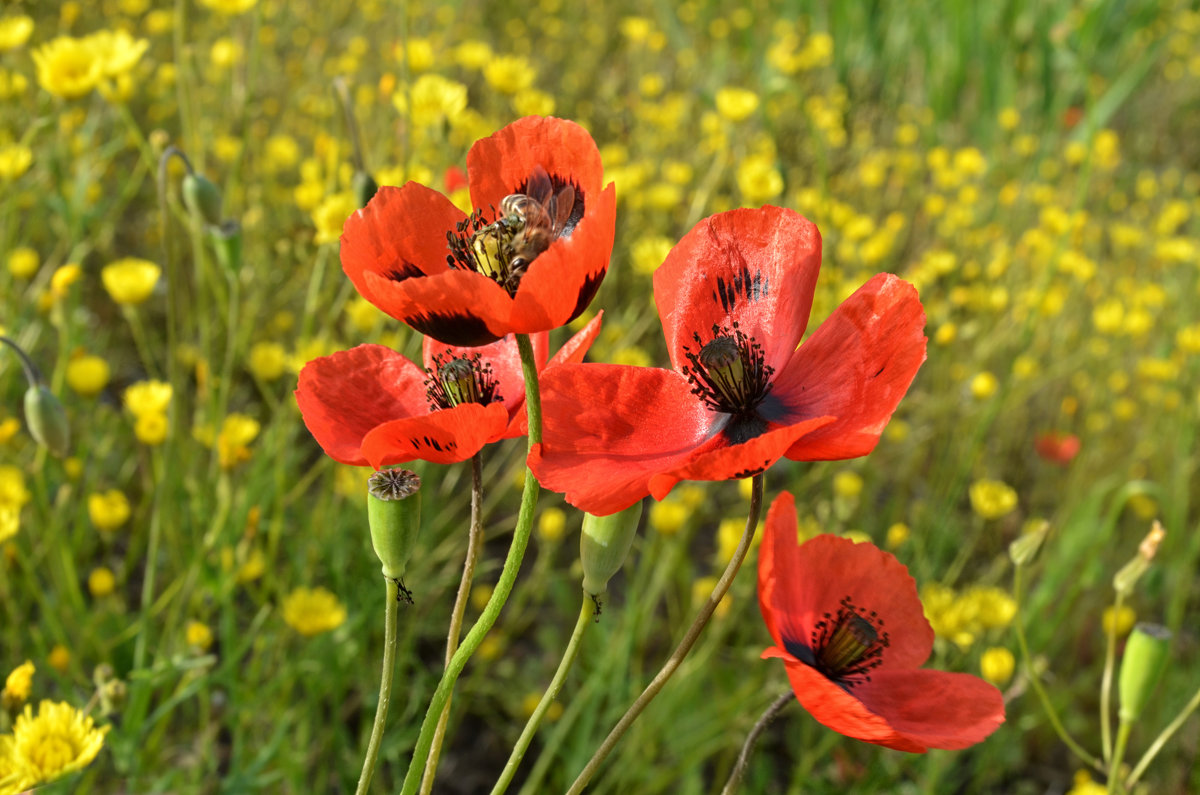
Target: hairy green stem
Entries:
(586, 611)
(504, 586)
(392, 600)
(474, 545)
(681, 651)
(739, 767)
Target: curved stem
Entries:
(31, 372)
(739, 767)
(681, 651)
(474, 545)
(1161, 740)
(1110, 656)
(385, 686)
(1036, 684)
(1118, 754)
(586, 612)
(504, 586)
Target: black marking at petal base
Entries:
(744, 284)
(743, 428)
(749, 473)
(405, 270)
(798, 649)
(452, 328)
(587, 292)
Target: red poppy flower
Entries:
(1057, 447)
(734, 297)
(850, 629)
(529, 259)
(370, 405)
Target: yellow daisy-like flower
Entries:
(23, 262)
(15, 31)
(108, 510)
(736, 104)
(101, 582)
(117, 51)
(147, 397)
(997, 665)
(68, 67)
(509, 74)
(229, 7)
(199, 635)
(64, 277)
(87, 375)
(130, 281)
(311, 611)
(331, 214)
(233, 442)
(18, 684)
(15, 160)
(151, 428)
(267, 360)
(12, 486)
(434, 99)
(59, 741)
(992, 499)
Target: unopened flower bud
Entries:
(394, 514)
(1141, 668)
(1025, 547)
(202, 197)
(227, 241)
(1132, 571)
(112, 697)
(47, 419)
(364, 187)
(603, 545)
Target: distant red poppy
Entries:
(371, 405)
(734, 297)
(850, 629)
(530, 258)
(1057, 447)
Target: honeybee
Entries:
(535, 219)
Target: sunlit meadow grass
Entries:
(1032, 167)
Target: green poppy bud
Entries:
(394, 514)
(47, 419)
(603, 546)
(1143, 665)
(202, 197)
(364, 187)
(227, 241)
(1026, 546)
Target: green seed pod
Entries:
(603, 545)
(227, 241)
(1143, 665)
(202, 197)
(364, 187)
(47, 419)
(394, 514)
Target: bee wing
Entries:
(539, 188)
(560, 208)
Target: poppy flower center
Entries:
(461, 379)
(848, 644)
(730, 374)
(544, 209)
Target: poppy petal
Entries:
(609, 428)
(457, 307)
(856, 366)
(936, 709)
(800, 583)
(502, 358)
(720, 460)
(500, 164)
(446, 436)
(757, 268)
(397, 236)
(840, 710)
(562, 280)
(344, 396)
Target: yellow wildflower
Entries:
(997, 665)
(59, 741)
(151, 428)
(68, 67)
(108, 510)
(17, 685)
(984, 385)
(552, 524)
(758, 179)
(311, 611)
(15, 160)
(116, 50)
(130, 281)
(434, 99)
(668, 516)
(101, 582)
(198, 635)
(59, 658)
(532, 102)
(12, 486)
(23, 263)
(1119, 622)
(229, 7)
(147, 397)
(992, 499)
(736, 104)
(702, 590)
(14, 31)
(509, 74)
(473, 54)
(8, 429)
(237, 432)
(87, 375)
(897, 534)
(10, 520)
(267, 360)
(1084, 785)
(847, 484)
(648, 253)
(331, 214)
(63, 278)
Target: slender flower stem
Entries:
(681, 651)
(739, 768)
(504, 586)
(586, 612)
(1161, 740)
(385, 685)
(474, 545)
(1114, 768)
(1036, 684)
(1110, 656)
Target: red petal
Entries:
(442, 437)
(500, 164)
(720, 460)
(401, 233)
(757, 268)
(935, 709)
(457, 307)
(838, 709)
(799, 583)
(856, 367)
(609, 428)
(562, 280)
(505, 360)
(344, 396)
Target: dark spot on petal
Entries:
(587, 292)
(799, 650)
(452, 328)
(744, 428)
(749, 473)
(405, 270)
(880, 370)
(744, 284)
